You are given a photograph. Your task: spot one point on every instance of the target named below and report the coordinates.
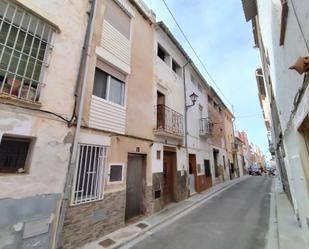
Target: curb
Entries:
(175, 215)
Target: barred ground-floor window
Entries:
(89, 174)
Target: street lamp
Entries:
(193, 98)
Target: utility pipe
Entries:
(81, 79)
(185, 116)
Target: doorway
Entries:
(216, 166)
(208, 173)
(136, 182)
(169, 168)
(160, 110)
(192, 173)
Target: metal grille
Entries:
(25, 42)
(206, 127)
(89, 174)
(169, 120)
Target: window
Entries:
(118, 18)
(199, 87)
(162, 54)
(24, 46)
(115, 173)
(176, 68)
(89, 174)
(108, 87)
(13, 154)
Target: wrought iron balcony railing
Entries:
(169, 121)
(206, 127)
(235, 146)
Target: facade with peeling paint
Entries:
(36, 104)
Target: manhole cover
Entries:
(142, 225)
(107, 242)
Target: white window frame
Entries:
(13, 84)
(100, 181)
(108, 83)
(109, 173)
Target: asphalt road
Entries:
(235, 219)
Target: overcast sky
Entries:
(223, 40)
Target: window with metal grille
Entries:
(13, 154)
(24, 45)
(89, 174)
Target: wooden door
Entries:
(135, 186)
(208, 173)
(169, 160)
(192, 173)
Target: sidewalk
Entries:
(136, 231)
(284, 232)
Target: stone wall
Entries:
(88, 222)
(158, 202)
(149, 201)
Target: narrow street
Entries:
(236, 219)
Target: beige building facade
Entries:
(117, 128)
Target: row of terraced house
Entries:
(103, 118)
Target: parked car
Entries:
(254, 170)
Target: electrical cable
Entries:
(45, 111)
(195, 53)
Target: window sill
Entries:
(11, 100)
(13, 174)
(89, 202)
(109, 102)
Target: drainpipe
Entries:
(185, 116)
(81, 81)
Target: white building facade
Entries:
(281, 34)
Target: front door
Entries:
(192, 173)
(135, 186)
(208, 173)
(169, 164)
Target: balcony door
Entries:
(160, 110)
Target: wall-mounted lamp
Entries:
(193, 98)
(301, 65)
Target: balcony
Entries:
(206, 127)
(169, 122)
(235, 146)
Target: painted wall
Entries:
(285, 84)
(35, 195)
(196, 144)
(165, 79)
